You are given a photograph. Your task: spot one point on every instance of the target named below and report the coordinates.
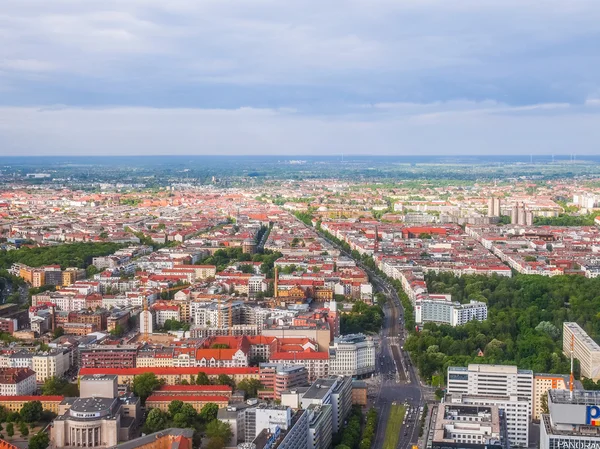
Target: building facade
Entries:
(585, 350)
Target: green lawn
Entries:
(394, 426)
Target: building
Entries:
(165, 439)
(174, 376)
(509, 388)
(493, 207)
(269, 417)
(586, 350)
(352, 355)
(440, 309)
(234, 415)
(360, 393)
(541, 384)
(146, 322)
(316, 363)
(499, 380)
(17, 382)
(320, 421)
(49, 364)
(277, 378)
(335, 391)
(573, 421)
(197, 401)
(96, 421)
(15, 403)
(108, 356)
(195, 390)
(468, 426)
(517, 411)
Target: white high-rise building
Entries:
(508, 384)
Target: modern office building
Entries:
(319, 426)
(586, 350)
(352, 355)
(508, 387)
(264, 416)
(336, 391)
(494, 380)
(468, 426)
(573, 421)
(517, 411)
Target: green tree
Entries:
(209, 412)
(218, 429)
(10, 429)
(23, 429)
(58, 332)
(156, 420)
(250, 387)
(145, 384)
(175, 407)
(40, 440)
(215, 443)
(31, 411)
(224, 379)
(202, 379)
(118, 331)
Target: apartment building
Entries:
(108, 356)
(541, 384)
(585, 349)
(17, 382)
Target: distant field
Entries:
(394, 427)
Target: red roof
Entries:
(32, 398)
(169, 371)
(187, 398)
(225, 388)
(299, 356)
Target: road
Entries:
(398, 381)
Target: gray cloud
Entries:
(404, 129)
(368, 75)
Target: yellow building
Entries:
(15, 403)
(541, 384)
(198, 402)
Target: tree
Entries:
(118, 331)
(175, 407)
(218, 429)
(40, 440)
(23, 429)
(58, 332)
(250, 387)
(31, 411)
(215, 443)
(544, 403)
(145, 384)
(156, 420)
(202, 379)
(224, 379)
(10, 429)
(209, 412)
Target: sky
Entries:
(405, 77)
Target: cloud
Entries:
(311, 66)
(404, 130)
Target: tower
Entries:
(333, 319)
